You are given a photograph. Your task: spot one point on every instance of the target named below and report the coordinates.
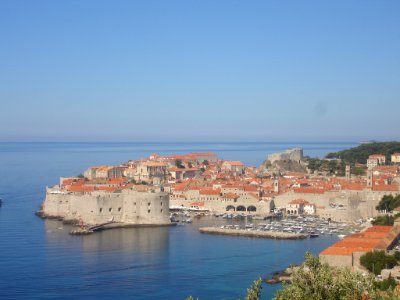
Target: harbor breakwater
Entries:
(253, 233)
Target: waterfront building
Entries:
(300, 207)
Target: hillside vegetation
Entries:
(360, 154)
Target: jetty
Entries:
(84, 230)
(254, 233)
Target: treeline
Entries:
(360, 154)
(332, 167)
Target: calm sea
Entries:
(40, 260)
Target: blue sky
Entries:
(199, 70)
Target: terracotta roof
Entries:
(208, 191)
(234, 163)
(375, 237)
(376, 156)
(197, 203)
(309, 190)
(230, 196)
(299, 201)
(183, 169)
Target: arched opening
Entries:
(230, 208)
(240, 208)
(251, 208)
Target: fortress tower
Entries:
(276, 186)
(369, 179)
(348, 172)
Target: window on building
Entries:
(148, 211)
(101, 209)
(119, 208)
(148, 204)
(110, 209)
(161, 210)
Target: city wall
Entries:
(221, 206)
(354, 204)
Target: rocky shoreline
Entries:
(253, 233)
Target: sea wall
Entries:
(127, 206)
(253, 233)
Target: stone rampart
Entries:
(127, 206)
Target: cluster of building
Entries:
(202, 180)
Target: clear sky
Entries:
(199, 70)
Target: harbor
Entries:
(272, 226)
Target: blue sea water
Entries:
(40, 260)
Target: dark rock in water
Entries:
(281, 276)
(40, 214)
(81, 231)
(70, 221)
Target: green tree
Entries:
(254, 292)
(388, 203)
(178, 164)
(383, 220)
(332, 166)
(358, 171)
(386, 284)
(376, 261)
(360, 154)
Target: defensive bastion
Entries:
(128, 207)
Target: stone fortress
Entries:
(127, 207)
(295, 154)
